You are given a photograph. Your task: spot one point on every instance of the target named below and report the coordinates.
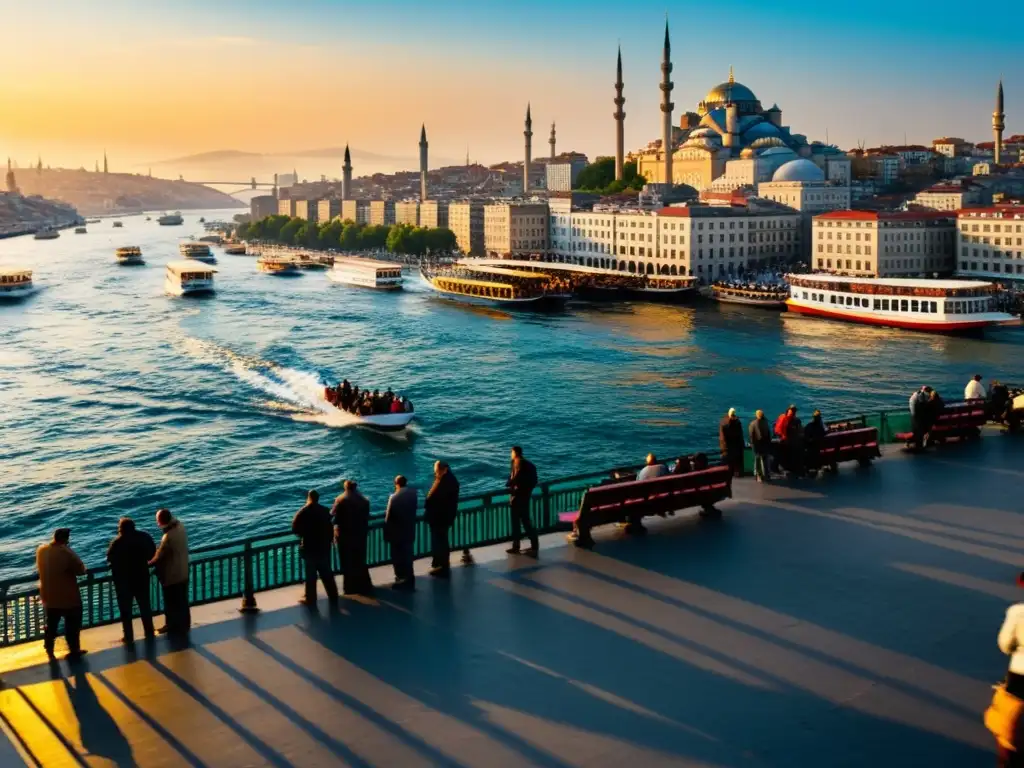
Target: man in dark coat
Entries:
(440, 508)
(129, 555)
(761, 442)
(351, 515)
(521, 482)
(312, 524)
(731, 441)
(400, 532)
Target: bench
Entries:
(845, 424)
(858, 444)
(629, 502)
(960, 419)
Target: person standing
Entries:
(974, 390)
(59, 568)
(400, 532)
(521, 482)
(351, 516)
(1011, 642)
(312, 524)
(128, 556)
(440, 508)
(730, 441)
(171, 562)
(760, 432)
(918, 416)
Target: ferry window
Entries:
(903, 305)
(877, 304)
(958, 308)
(831, 299)
(885, 305)
(849, 301)
(913, 305)
(934, 306)
(804, 296)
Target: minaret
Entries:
(667, 105)
(528, 133)
(998, 118)
(423, 163)
(551, 141)
(346, 176)
(12, 185)
(106, 168)
(620, 119)
(96, 168)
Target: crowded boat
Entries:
(380, 410)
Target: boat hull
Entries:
(17, 293)
(661, 295)
(547, 301)
(771, 304)
(941, 327)
(354, 281)
(176, 289)
(131, 261)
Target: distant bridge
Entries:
(245, 186)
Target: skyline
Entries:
(166, 80)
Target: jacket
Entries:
(522, 480)
(312, 524)
(1011, 637)
(129, 555)
(351, 516)
(171, 558)
(442, 502)
(760, 435)
(815, 431)
(782, 424)
(730, 435)
(400, 517)
(59, 568)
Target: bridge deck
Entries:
(845, 621)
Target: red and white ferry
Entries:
(936, 306)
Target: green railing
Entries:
(241, 569)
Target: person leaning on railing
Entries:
(312, 524)
(439, 510)
(351, 516)
(171, 563)
(59, 568)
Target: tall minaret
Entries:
(620, 119)
(998, 118)
(423, 163)
(528, 133)
(551, 141)
(346, 176)
(666, 105)
(106, 168)
(12, 184)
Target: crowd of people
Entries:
(366, 403)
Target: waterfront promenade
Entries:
(844, 621)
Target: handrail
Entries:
(266, 561)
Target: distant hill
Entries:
(97, 193)
(217, 156)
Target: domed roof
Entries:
(731, 92)
(800, 169)
(775, 147)
(762, 130)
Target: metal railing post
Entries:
(248, 589)
(4, 639)
(90, 585)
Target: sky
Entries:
(150, 80)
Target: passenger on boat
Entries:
(408, 405)
(396, 406)
(653, 469)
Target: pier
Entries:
(843, 620)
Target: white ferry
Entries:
(366, 273)
(129, 255)
(188, 277)
(935, 306)
(277, 265)
(16, 283)
(170, 219)
(197, 251)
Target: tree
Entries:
(351, 236)
(399, 238)
(287, 233)
(596, 176)
(441, 240)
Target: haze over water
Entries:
(118, 399)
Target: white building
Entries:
(951, 196)
(990, 243)
(562, 172)
(515, 228)
(883, 244)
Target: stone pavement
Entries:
(844, 621)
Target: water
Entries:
(117, 399)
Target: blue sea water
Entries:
(117, 399)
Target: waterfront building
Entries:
(407, 212)
(952, 195)
(357, 211)
(286, 206)
(515, 228)
(328, 209)
(262, 206)
(307, 209)
(990, 242)
(466, 221)
(382, 212)
(434, 214)
(884, 243)
(562, 171)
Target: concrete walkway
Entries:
(844, 621)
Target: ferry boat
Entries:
(935, 306)
(46, 233)
(488, 285)
(184, 278)
(277, 265)
(764, 296)
(382, 422)
(314, 261)
(170, 219)
(212, 239)
(197, 251)
(130, 255)
(367, 273)
(235, 249)
(16, 283)
(118, 224)
(81, 230)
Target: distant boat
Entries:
(277, 265)
(80, 230)
(118, 224)
(202, 219)
(129, 255)
(46, 233)
(188, 277)
(197, 251)
(170, 219)
(235, 249)
(149, 218)
(15, 283)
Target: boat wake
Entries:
(294, 392)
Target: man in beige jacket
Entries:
(59, 568)
(171, 562)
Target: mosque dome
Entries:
(762, 130)
(773, 148)
(800, 169)
(703, 131)
(731, 92)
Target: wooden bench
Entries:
(858, 444)
(631, 501)
(845, 424)
(960, 419)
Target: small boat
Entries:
(213, 239)
(764, 296)
(80, 230)
(184, 278)
(202, 219)
(313, 261)
(198, 252)
(235, 249)
(382, 422)
(130, 255)
(92, 221)
(494, 286)
(170, 219)
(118, 224)
(46, 233)
(16, 283)
(277, 265)
(367, 273)
(149, 218)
